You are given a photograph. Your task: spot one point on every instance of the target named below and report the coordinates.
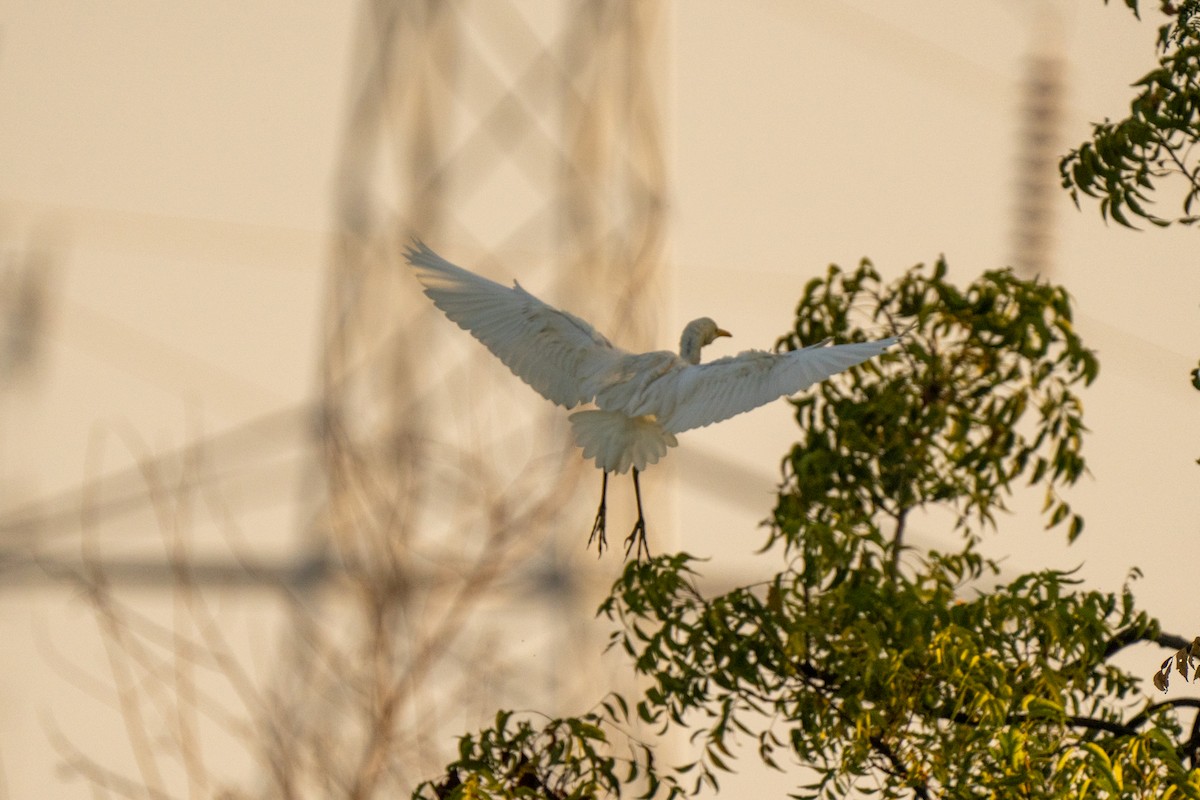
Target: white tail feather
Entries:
(618, 442)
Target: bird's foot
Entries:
(637, 539)
(598, 531)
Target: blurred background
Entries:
(271, 526)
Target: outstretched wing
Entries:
(556, 353)
(701, 394)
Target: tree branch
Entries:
(920, 789)
(1182, 167)
(1179, 702)
(898, 545)
(1131, 636)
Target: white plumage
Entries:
(641, 400)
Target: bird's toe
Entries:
(598, 532)
(636, 541)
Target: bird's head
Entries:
(697, 334)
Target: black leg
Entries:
(638, 536)
(598, 525)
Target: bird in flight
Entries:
(641, 400)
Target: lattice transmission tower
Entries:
(442, 571)
(1040, 115)
(522, 139)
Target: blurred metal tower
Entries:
(520, 133)
(1036, 183)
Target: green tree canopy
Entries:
(876, 665)
(1125, 162)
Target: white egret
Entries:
(641, 400)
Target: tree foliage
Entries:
(876, 666)
(1183, 660)
(1124, 162)
(941, 427)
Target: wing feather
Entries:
(555, 352)
(694, 396)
